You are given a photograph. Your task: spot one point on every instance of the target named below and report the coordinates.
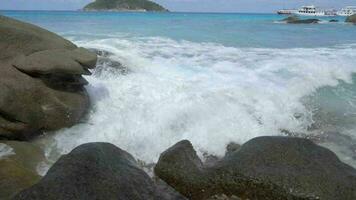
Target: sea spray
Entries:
(204, 92)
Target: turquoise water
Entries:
(210, 78)
(238, 30)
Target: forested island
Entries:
(124, 5)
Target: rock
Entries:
(27, 154)
(167, 192)
(41, 81)
(14, 178)
(297, 20)
(180, 167)
(97, 171)
(231, 148)
(263, 168)
(19, 163)
(50, 62)
(351, 19)
(333, 20)
(108, 66)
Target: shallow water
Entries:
(210, 78)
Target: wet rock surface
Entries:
(41, 81)
(107, 65)
(98, 171)
(263, 168)
(19, 165)
(351, 19)
(297, 20)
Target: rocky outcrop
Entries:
(334, 20)
(41, 81)
(351, 19)
(20, 162)
(262, 169)
(106, 65)
(297, 20)
(98, 171)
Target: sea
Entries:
(210, 78)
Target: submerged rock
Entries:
(297, 20)
(41, 80)
(263, 168)
(333, 20)
(18, 167)
(99, 171)
(108, 66)
(351, 19)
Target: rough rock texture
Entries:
(264, 168)
(40, 80)
(107, 66)
(18, 167)
(99, 171)
(297, 20)
(351, 19)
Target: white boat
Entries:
(314, 11)
(286, 11)
(347, 11)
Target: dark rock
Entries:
(351, 19)
(107, 65)
(19, 163)
(181, 168)
(224, 197)
(40, 80)
(231, 148)
(333, 20)
(167, 192)
(263, 168)
(297, 20)
(97, 171)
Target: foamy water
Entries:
(210, 78)
(5, 151)
(204, 92)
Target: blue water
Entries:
(238, 30)
(210, 78)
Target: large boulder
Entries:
(297, 20)
(265, 168)
(41, 81)
(99, 171)
(351, 19)
(20, 163)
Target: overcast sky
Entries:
(183, 5)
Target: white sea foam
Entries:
(6, 150)
(206, 93)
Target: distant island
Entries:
(124, 5)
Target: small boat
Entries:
(347, 11)
(314, 11)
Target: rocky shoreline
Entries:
(263, 168)
(42, 89)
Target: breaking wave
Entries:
(211, 95)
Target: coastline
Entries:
(229, 101)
